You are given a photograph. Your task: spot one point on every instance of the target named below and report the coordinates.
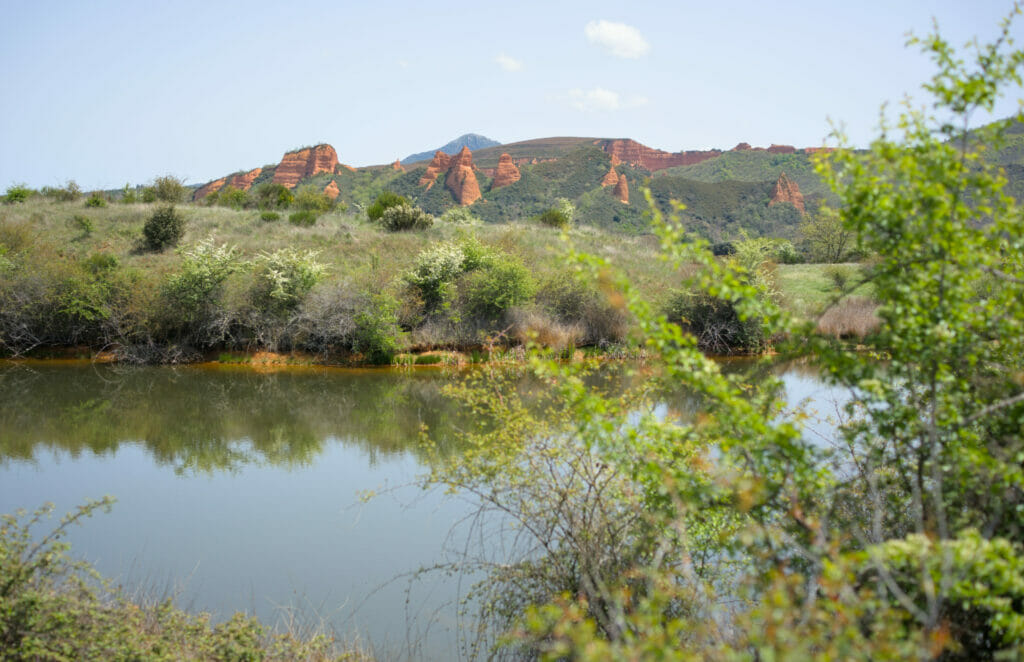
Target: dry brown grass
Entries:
(853, 317)
(533, 326)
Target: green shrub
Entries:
(496, 287)
(148, 194)
(377, 335)
(270, 216)
(99, 263)
(82, 223)
(164, 228)
(309, 198)
(128, 194)
(474, 253)
(460, 216)
(716, 324)
(840, 275)
(229, 196)
(272, 196)
(169, 189)
(437, 267)
(428, 359)
(204, 267)
(68, 193)
(573, 302)
(384, 201)
(18, 193)
(405, 217)
(555, 218)
(561, 215)
(96, 199)
(284, 278)
(435, 270)
(303, 218)
(786, 253)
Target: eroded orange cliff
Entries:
(303, 163)
(786, 190)
(461, 179)
(506, 172)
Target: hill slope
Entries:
(753, 166)
(725, 192)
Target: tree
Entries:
(164, 228)
(272, 196)
(169, 189)
(826, 236)
(383, 202)
(728, 534)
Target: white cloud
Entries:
(619, 39)
(602, 100)
(403, 64)
(509, 63)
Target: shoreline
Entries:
(263, 360)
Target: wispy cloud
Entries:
(509, 63)
(403, 64)
(599, 99)
(619, 39)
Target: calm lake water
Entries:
(239, 490)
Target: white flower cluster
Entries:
(437, 265)
(290, 273)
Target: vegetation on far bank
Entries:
(167, 281)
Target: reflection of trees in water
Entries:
(197, 419)
(685, 405)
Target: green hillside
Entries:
(541, 148)
(718, 210)
(753, 166)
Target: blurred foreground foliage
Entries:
(727, 532)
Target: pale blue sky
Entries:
(108, 92)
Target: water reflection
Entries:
(206, 420)
(211, 419)
(261, 507)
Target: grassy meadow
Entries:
(337, 285)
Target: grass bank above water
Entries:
(340, 290)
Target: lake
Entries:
(240, 490)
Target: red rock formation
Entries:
(781, 149)
(207, 189)
(243, 180)
(622, 190)
(506, 173)
(616, 160)
(438, 164)
(303, 163)
(341, 167)
(611, 178)
(815, 150)
(461, 179)
(397, 166)
(331, 190)
(787, 190)
(742, 147)
(635, 154)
